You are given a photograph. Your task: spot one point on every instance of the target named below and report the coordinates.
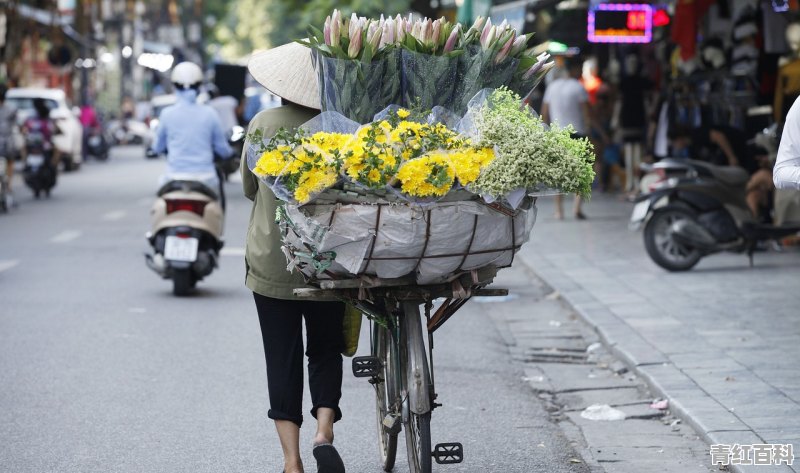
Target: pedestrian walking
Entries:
(566, 103)
(287, 72)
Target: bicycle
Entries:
(400, 366)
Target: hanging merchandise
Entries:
(774, 28)
(745, 53)
(684, 24)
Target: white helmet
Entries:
(187, 75)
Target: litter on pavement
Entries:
(602, 412)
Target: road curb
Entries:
(687, 399)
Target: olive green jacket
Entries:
(266, 263)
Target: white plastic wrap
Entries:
(341, 240)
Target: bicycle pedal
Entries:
(448, 453)
(366, 366)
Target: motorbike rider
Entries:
(89, 121)
(39, 131)
(786, 173)
(191, 133)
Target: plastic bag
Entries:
(477, 71)
(428, 80)
(358, 90)
(351, 329)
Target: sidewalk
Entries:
(720, 341)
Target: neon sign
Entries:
(620, 23)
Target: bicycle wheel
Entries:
(416, 424)
(386, 393)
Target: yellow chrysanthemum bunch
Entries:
(431, 175)
(306, 169)
(469, 162)
(426, 159)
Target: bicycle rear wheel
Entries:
(416, 424)
(386, 393)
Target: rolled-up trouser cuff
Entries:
(337, 416)
(277, 415)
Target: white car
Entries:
(70, 140)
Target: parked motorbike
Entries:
(696, 209)
(97, 144)
(226, 167)
(186, 234)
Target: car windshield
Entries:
(24, 107)
(26, 103)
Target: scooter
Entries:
(39, 174)
(696, 209)
(186, 234)
(97, 144)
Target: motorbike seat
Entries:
(729, 175)
(187, 186)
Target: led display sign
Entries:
(620, 23)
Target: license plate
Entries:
(35, 160)
(181, 249)
(640, 211)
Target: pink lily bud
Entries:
(504, 51)
(371, 27)
(375, 39)
(478, 25)
(326, 31)
(519, 45)
(355, 42)
(336, 27)
(489, 38)
(353, 24)
(400, 25)
(451, 40)
(541, 66)
(415, 30)
(486, 29)
(436, 30)
(388, 33)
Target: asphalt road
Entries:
(103, 370)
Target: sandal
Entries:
(328, 459)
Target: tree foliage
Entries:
(258, 24)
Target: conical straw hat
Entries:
(287, 72)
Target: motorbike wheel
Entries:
(69, 164)
(662, 248)
(182, 282)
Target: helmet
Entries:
(187, 75)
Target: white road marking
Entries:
(137, 310)
(66, 236)
(115, 215)
(232, 251)
(7, 264)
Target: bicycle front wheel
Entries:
(416, 424)
(386, 394)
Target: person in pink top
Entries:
(88, 119)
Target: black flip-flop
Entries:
(328, 459)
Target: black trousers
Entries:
(282, 333)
